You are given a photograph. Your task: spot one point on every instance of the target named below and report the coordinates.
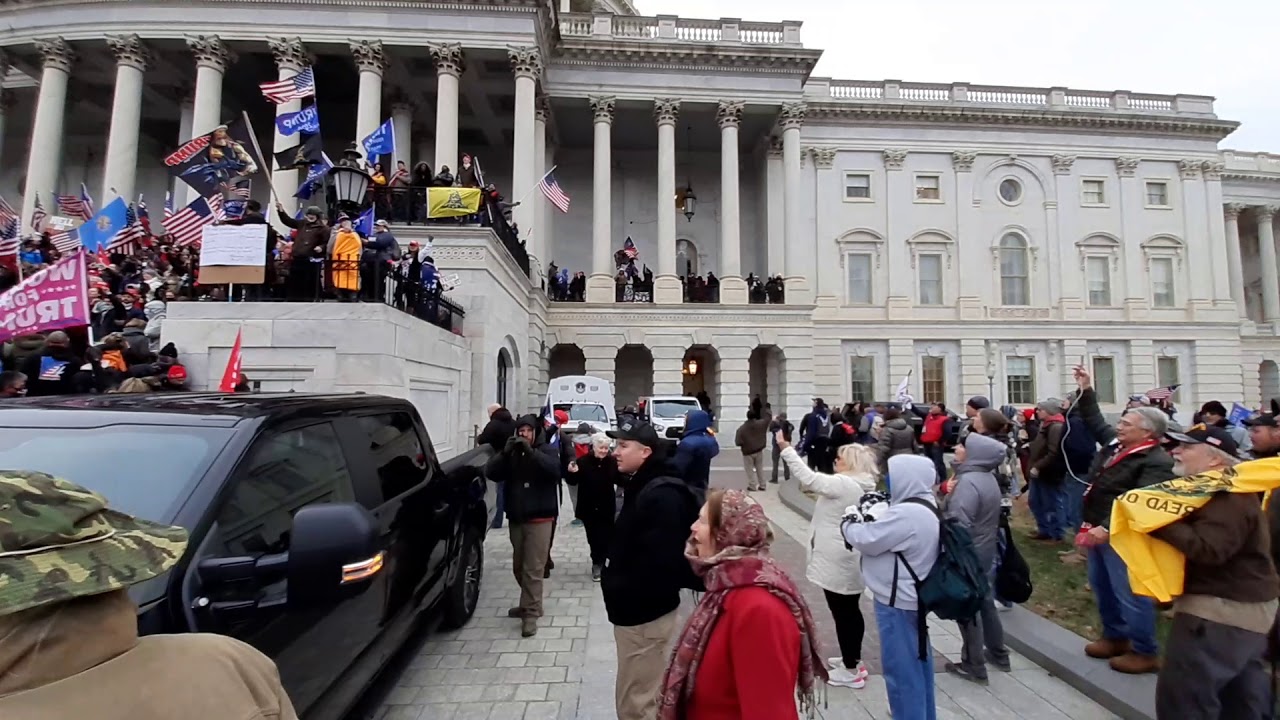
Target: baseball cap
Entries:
(1202, 434)
(381, 223)
(1266, 419)
(65, 543)
(978, 402)
(641, 432)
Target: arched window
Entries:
(1015, 271)
(504, 366)
(686, 258)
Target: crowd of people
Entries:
(635, 284)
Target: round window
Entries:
(1011, 191)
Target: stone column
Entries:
(1195, 219)
(825, 276)
(1231, 214)
(1267, 254)
(212, 58)
(735, 388)
(526, 64)
(291, 57)
(539, 231)
(733, 289)
(775, 225)
(372, 62)
(121, 169)
(668, 362)
(7, 101)
(1131, 199)
(1066, 214)
(450, 63)
(600, 287)
(1216, 231)
(186, 117)
(46, 134)
(799, 291)
(666, 286)
(402, 121)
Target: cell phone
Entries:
(786, 431)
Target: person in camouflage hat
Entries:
(70, 644)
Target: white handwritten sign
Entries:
(450, 282)
(61, 223)
(237, 245)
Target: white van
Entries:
(587, 399)
(666, 413)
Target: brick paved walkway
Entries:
(487, 671)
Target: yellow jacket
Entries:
(1156, 569)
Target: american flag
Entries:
(297, 87)
(7, 213)
(9, 242)
(131, 237)
(168, 206)
(38, 215)
(186, 225)
(87, 201)
(629, 249)
(554, 193)
(144, 217)
(242, 192)
(65, 241)
(1163, 393)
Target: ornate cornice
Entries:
(1062, 164)
(1189, 169)
(525, 62)
(875, 113)
(1127, 166)
(666, 111)
(210, 52)
(289, 52)
(893, 158)
(620, 53)
(775, 147)
(824, 158)
(1213, 169)
(792, 115)
(369, 56)
(729, 113)
(448, 58)
(602, 108)
(1232, 210)
(56, 54)
(129, 51)
(1266, 213)
(541, 109)
(403, 106)
(962, 160)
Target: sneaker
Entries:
(844, 677)
(529, 627)
(961, 672)
(596, 570)
(1005, 666)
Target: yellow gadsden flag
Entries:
(445, 202)
(1156, 568)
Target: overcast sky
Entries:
(1229, 49)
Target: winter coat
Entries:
(1227, 548)
(383, 249)
(22, 347)
(646, 567)
(312, 237)
(906, 527)
(531, 473)
(752, 436)
(897, 438)
(84, 659)
(696, 450)
(595, 480)
(156, 311)
(138, 349)
(1046, 452)
(1108, 481)
(975, 499)
(53, 372)
(832, 566)
(495, 434)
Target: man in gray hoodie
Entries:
(973, 499)
(896, 540)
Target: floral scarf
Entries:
(743, 561)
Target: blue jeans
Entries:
(908, 679)
(1125, 616)
(1048, 503)
(502, 505)
(1074, 492)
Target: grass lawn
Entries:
(1061, 591)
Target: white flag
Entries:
(904, 392)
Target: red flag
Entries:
(231, 376)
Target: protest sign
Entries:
(52, 299)
(234, 245)
(58, 222)
(450, 282)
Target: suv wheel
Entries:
(464, 593)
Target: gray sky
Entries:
(1219, 47)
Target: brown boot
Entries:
(529, 626)
(517, 612)
(1106, 648)
(1132, 663)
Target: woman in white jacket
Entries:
(832, 566)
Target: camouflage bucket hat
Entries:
(59, 541)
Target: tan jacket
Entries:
(83, 659)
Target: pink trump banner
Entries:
(56, 297)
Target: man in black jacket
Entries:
(646, 567)
(529, 469)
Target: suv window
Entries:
(397, 452)
(284, 472)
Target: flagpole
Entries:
(253, 137)
(535, 185)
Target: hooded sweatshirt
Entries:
(696, 450)
(531, 472)
(907, 528)
(975, 499)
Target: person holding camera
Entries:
(529, 469)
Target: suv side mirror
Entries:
(333, 553)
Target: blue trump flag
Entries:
(100, 229)
(1239, 413)
(380, 142)
(364, 224)
(306, 120)
(315, 176)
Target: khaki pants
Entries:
(531, 544)
(754, 465)
(642, 660)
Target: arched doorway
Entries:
(503, 393)
(1269, 378)
(768, 377)
(633, 373)
(567, 359)
(687, 258)
(701, 373)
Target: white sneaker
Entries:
(843, 677)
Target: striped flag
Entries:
(7, 213)
(72, 206)
(629, 249)
(186, 226)
(38, 216)
(299, 86)
(65, 241)
(1163, 393)
(87, 201)
(9, 242)
(168, 206)
(215, 203)
(242, 192)
(554, 192)
(144, 217)
(131, 237)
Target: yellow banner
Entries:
(1156, 568)
(445, 202)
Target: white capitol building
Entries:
(984, 238)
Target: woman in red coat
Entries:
(749, 650)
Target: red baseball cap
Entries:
(177, 374)
(561, 416)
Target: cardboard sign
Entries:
(233, 245)
(57, 222)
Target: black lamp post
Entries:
(348, 184)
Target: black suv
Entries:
(322, 526)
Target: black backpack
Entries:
(1013, 575)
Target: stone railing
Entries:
(1252, 163)
(827, 89)
(669, 28)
